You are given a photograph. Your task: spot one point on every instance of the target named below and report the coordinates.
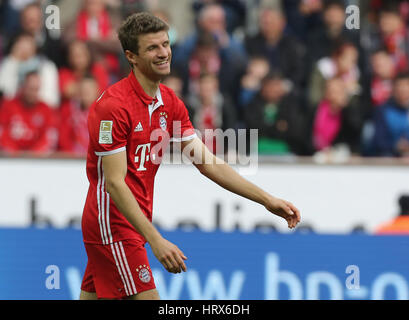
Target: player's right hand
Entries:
(284, 209)
(169, 255)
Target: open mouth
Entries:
(162, 63)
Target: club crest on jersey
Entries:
(143, 273)
(105, 132)
(162, 120)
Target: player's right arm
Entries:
(115, 169)
(109, 128)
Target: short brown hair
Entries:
(136, 25)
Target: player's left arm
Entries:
(225, 176)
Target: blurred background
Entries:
(325, 82)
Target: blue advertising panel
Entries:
(49, 264)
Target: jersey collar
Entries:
(145, 98)
(158, 101)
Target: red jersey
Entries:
(67, 76)
(73, 132)
(25, 128)
(100, 28)
(125, 118)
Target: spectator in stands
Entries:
(310, 6)
(343, 63)
(23, 58)
(212, 18)
(283, 51)
(322, 40)
(210, 109)
(73, 129)
(235, 12)
(98, 28)
(400, 224)
(1, 45)
(303, 16)
(10, 14)
(394, 36)
(275, 112)
(1, 126)
(383, 72)
(391, 121)
(205, 59)
(257, 69)
(28, 123)
(335, 118)
(48, 41)
(80, 63)
(228, 51)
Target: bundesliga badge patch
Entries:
(162, 120)
(143, 273)
(105, 132)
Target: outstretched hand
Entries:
(284, 209)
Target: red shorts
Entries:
(117, 270)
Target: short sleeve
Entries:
(183, 129)
(108, 125)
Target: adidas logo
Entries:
(138, 128)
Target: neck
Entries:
(79, 72)
(334, 32)
(28, 104)
(148, 85)
(272, 39)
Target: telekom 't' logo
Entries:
(145, 150)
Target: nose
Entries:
(163, 52)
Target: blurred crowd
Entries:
(291, 69)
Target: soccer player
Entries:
(122, 162)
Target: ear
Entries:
(131, 57)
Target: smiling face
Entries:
(154, 55)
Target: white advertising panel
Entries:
(332, 199)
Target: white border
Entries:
(191, 137)
(107, 153)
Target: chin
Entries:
(162, 74)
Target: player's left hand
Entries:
(284, 209)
